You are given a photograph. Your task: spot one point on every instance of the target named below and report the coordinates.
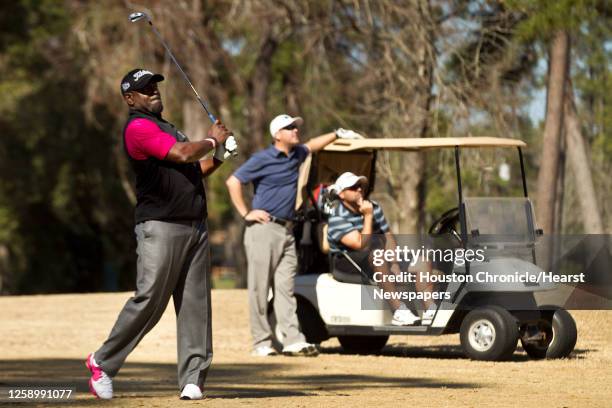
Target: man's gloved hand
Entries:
(227, 149)
(347, 134)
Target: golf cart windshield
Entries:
(500, 219)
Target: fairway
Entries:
(45, 339)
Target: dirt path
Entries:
(44, 340)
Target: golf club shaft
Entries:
(212, 117)
(136, 16)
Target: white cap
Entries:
(282, 121)
(347, 180)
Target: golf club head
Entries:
(139, 15)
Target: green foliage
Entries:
(51, 160)
(590, 26)
(544, 17)
(64, 214)
(8, 225)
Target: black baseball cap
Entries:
(138, 79)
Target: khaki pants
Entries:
(270, 250)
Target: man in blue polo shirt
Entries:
(268, 239)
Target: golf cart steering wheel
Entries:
(447, 224)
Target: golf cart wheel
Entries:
(363, 344)
(559, 336)
(489, 333)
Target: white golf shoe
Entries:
(100, 384)
(404, 317)
(301, 349)
(429, 314)
(191, 392)
(264, 351)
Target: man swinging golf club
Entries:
(172, 238)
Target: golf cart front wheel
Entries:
(363, 344)
(558, 333)
(489, 333)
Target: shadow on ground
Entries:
(256, 380)
(442, 352)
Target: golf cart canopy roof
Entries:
(415, 143)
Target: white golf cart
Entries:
(490, 318)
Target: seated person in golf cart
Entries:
(355, 230)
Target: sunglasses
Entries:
(357, 187)
(290, 127)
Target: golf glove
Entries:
(227, 149)
(347, 134)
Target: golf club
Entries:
(139, 15)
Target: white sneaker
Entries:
(191, 392)
(301, 349)
(264, 351)
(429, 314)
(404, 317)
(100, 384)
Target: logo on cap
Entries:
(125, 86)
(137, 75)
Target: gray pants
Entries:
(270, 250)
(173, 260)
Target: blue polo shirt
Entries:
(274, 176)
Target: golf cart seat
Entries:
(353, 276)
(339, 275)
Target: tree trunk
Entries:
(4, 268)
(234, 250)
(258, 95)
(579, 160)
(258, 138)
(292, 90)
(549, 163)
(195, 121)
(560, 199)
(413, 175)
(124, 173)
